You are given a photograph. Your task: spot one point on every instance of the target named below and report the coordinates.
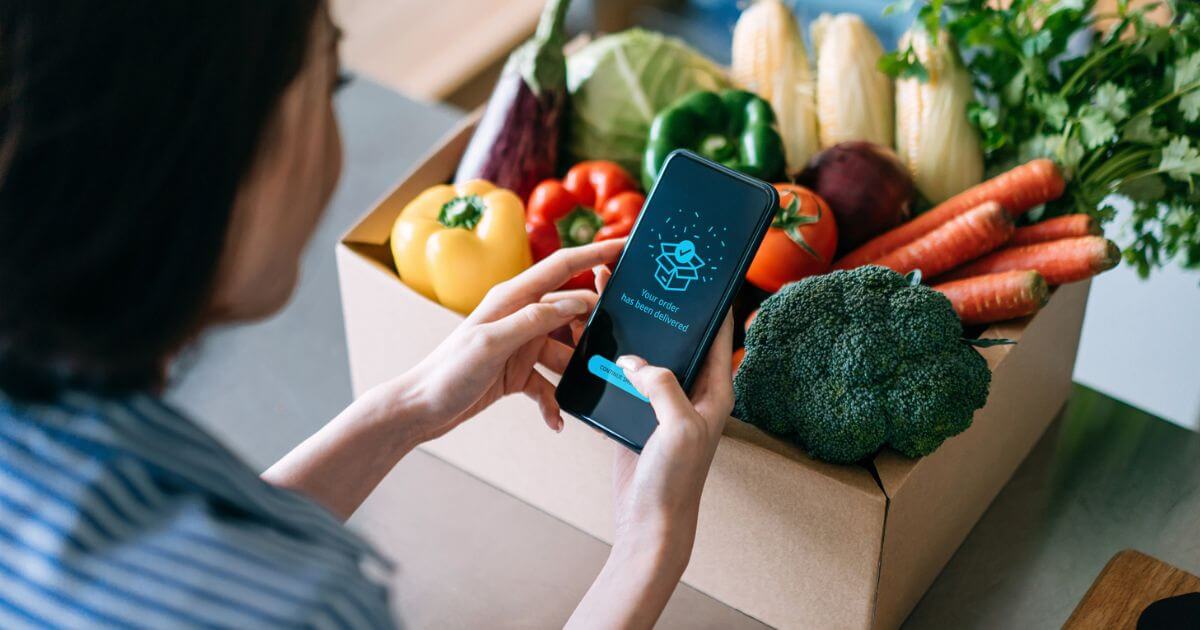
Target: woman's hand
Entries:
(491, 354)
(494, 351)
(657, 493)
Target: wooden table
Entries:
(1129, 583)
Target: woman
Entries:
(162, 165)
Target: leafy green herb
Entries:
(903, 64)
(1113, 98)
(1180, 161)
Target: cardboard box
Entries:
(791, 541)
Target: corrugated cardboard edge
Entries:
(1030, 383)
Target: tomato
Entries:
(800, 243)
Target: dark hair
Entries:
(126, 128)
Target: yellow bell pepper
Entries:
(453, 243)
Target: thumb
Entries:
(660, 386)
(506, 335)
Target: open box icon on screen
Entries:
(677, 265)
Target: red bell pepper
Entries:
(596, 201)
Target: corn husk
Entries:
(769, 60)
(854, 99)
(816, 33)
(934, 138)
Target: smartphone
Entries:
(684, 261)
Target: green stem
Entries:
(1136, 175)
(1111, 169)
(540, 59)
(578, 227)
(1089, 162)
(552, 22)
(1087, 65)
(1163, 101)
(462, 212)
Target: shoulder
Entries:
(93, 532)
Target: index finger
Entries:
(548, 275)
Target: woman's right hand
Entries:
(657, 493)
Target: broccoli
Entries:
(846, 362)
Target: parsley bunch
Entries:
(1113, 98)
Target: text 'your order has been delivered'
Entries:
(656, 307)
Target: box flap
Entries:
(853, 477)
(789, 541)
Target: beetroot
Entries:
(865, 185)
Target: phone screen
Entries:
(670, 289)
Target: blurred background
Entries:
(1140, 340)
(403, 43)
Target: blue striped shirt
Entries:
(123, 513)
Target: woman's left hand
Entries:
(491, 354)
(494, 352)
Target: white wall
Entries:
(1141, 341)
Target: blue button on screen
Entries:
(613, 373)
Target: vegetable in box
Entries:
(733, 128)
(800, 243)
(619, 82)
(769, 59)
(515, 145)
(847, 362)
(854, 99)
(1114, 99)
(595, 201)
(934, 137)
(454, 243)
(838, 174)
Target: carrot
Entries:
(1062, 261)
(739, 355)
(1066, 226)
(1026, 186)
(996, 297)
(965, 237)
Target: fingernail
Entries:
(570, 306)
(559, 427)
(631, 362)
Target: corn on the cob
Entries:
(934, 139)
(816, 33)
(769, 59)
(854, 99)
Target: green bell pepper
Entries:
(733, 127)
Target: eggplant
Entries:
(515, 145)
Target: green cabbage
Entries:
(619, 82)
